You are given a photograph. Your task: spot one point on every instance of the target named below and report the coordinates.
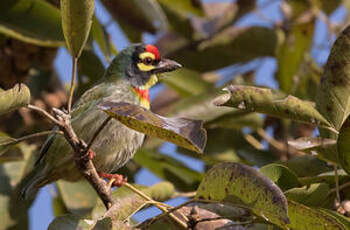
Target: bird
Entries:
(127, 79)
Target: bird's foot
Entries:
(91, 154)
(118, 180)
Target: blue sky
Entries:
(41, 212)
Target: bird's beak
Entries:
(166, 65)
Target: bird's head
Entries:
(141, 65)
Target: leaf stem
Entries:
(44, 133)
(72, 84)
(147, 198)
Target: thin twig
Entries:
(341, 187)
(185, 194)
(98, 131)
(72, 84)
(24, 138)
(147, 198)
(336, 177)
(168, 212)
(44, 113)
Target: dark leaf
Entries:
(181, 131)
(169, 169)
(312, 195)
(343, 145)
(32, 21)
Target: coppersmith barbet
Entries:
(128, 78)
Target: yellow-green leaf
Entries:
(76, 23)
(180, 131)
(238, 184)
(14, 98)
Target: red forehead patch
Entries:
(154, 50)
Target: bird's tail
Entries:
(31, 183)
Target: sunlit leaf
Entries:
(281, 176)
(334, 92)
(78, 197)
(241, 185)
(169, 169)
(76, 23)
(325, 149)
(327, 177)
(14, 98)
(298, 40)
(181, 131)
(32, 21)
(271, 102)
(312, 195)
(302, 217)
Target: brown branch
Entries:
(80, 150)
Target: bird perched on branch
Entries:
(128, 78)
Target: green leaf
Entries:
(297, 42)
(32, 21)
(9, 152)
(343, 146)
(327, 177)
(186, 82)
(312, 195)
(323, 148)
(101, 37)
(231, 46)
(14, 211)
(344, 220)
(333, 98)
(302, 217)
(137, 16)
(307, 165)
(78, 197)
(271, 102)
(168, 169)
(237, 120)
(180, 131)
(76, 23)
(280, 175)
(238, 184)
(14, 98)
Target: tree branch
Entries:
(81, 153)
(34, 135)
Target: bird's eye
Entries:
(147, 61)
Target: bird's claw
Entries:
(91, 154)
(119, 180)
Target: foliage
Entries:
(264, 166)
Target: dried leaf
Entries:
(76, 23)
(14, 98)
(238, 184)
(181, 131)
